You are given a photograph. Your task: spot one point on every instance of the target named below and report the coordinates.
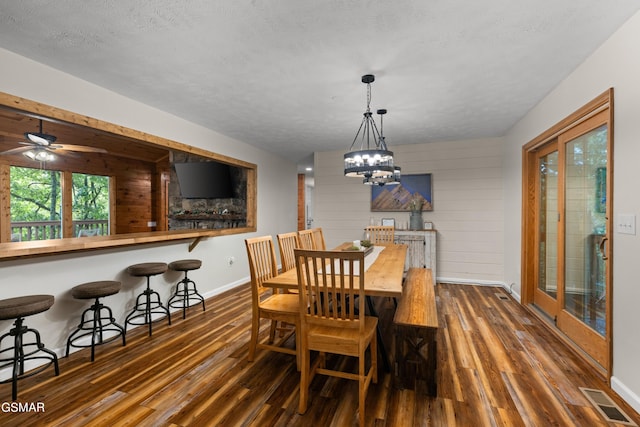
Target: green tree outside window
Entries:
(36, 196)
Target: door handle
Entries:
(601, 248)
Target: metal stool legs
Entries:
(95, 326)
(147, 304)
(23, 352)
(184, 293)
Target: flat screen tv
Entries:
(204, 180)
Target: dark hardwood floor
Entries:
(497, 366)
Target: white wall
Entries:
(467, 201)
(615, 64)
(56, 275)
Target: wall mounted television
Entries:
(204, 180)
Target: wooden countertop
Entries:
(15, 250)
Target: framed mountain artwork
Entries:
(415, 192)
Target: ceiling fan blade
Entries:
(15, 151)
(64, 152)
(82, 148)
(30, 144)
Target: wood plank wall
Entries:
(138, 200)
(467, 203)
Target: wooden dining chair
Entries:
(318, 239)
(276, 307)
(381, 234)
(287, 242)
(335, 321)
(306, 239)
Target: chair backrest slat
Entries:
(318, 239)
(331, 286)
(262, 261)
(306, 239)
(287, 242)
(381, 234)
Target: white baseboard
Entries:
(625, 393)
(470, 282)
(507, 287)
(514, 294)
(228, 286)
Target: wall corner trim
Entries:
(625, 393)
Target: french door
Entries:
(547, 219)
(568, 275)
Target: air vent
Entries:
(502, 296)
(607, 408)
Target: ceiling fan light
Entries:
(40, 138)
(39, 155)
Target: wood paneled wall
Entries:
(138, 190)
(467, 203)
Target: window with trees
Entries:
(37, 200)
(36, 204)
(90, 205)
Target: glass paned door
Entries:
(585, 283)
(547, 229)
(585, 228)
(567, 214)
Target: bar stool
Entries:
(18, 308)
(148, 303)
(181, 298)
(94, 323)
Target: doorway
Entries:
(567, 175)
(305, 201)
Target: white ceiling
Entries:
(284, 75)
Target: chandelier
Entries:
(370, 159)
(386, 178)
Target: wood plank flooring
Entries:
(497, 366)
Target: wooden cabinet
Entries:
(422, 248)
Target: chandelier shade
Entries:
(387, 179)
(368, 157)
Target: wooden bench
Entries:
(416, 324)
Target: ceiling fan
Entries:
(41, 146)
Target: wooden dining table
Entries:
(383, 278)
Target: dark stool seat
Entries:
(102, 328)
(148, 303)
(147, 269)
(185, 265)
(21, 351)
(12, 308)
(186, 290)
(93, 290)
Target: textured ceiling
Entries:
(285, 75)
